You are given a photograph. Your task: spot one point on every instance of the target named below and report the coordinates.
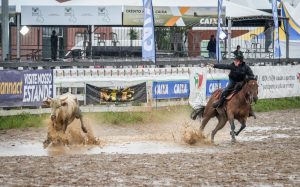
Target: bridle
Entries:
(250, 98)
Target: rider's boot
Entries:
(251, 113)
(219, 102)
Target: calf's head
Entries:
(55, 105)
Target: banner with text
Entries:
(148, 46)
(174, 16)
(25, 88)
(71, 15)
(213, 85)
(273, 81)
(98, 95)
(278, 81)
(203, 82)
(197, 87)
(171, 89)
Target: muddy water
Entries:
(267, 153)
(144, 138)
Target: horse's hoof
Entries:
(233, 132)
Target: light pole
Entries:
(5, 30)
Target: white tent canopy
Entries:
(235, 10)
(254, 4)
(294, 12)
(232, 9)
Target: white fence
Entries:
(74, 80)
(274, 82)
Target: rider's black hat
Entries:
(239, 57)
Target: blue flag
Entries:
(277, 51)
(148, 45)
(218, 48)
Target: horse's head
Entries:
(251, 90)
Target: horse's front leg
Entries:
(243, 125)
(231, 121)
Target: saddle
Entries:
(234, 91)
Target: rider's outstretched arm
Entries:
(223, 66)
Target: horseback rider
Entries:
(239, 71)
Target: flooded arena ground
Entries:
(267, 153)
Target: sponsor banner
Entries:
(278, 81)
(197, 87)
(203, 82)
(174, 16)
(171, 89)
(25, 88)
(277, 51)
(213, 85)
(71, 15)
(98, 95)
(148, 47)
(274, 82)
(220, 21)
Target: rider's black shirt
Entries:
(237, 73)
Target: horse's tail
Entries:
(198, 112)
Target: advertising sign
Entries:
(278, 81)
(98, 95)
(148, 47)
(171, 89)
(277, 51)
(71, 15)
(213, 85)
(174, 16)
(25, 88)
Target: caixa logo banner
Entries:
(171, 89)
(213, 85)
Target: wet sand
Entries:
(267, 153)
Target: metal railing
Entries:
(125, 42)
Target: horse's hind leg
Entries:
(222, 121)
(206, 118)
(204, 122)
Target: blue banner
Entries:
(25, 88)
(277, 51)
(218, 48)
(148, 45)
(171, 89)
(213, 85)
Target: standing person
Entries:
(238, 51)
(239, 71)
(54, 41)
(269, 29)
(211, 47)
